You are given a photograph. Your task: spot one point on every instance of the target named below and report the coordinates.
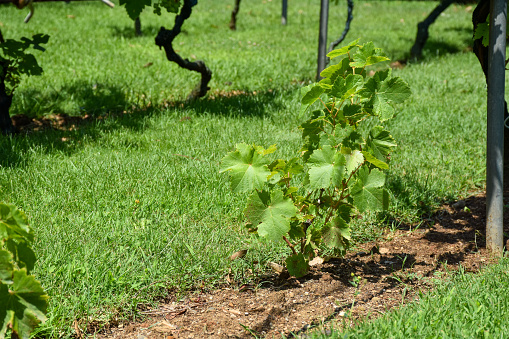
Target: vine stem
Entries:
(290, 244)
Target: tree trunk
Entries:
(164, 39)
(423, 27)
(137, 27)
(233, 20)
(480, 16)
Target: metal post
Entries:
(322, 37)
(284, 12)
(495, 139)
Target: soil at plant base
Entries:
(388, 273)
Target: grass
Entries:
(131, 206)
(465, 306)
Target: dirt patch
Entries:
(61, 121)
(368, 282)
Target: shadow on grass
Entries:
(105, 108)
(435, 49)
(129, 32)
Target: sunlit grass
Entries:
(131, 205)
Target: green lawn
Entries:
(132, 205)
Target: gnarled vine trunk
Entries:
(423, 29)
(480, 16)
(233, 20)
(349, 19)
(6, 126)
(164, 39)
(137, 27)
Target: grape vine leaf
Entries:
(374, 161)
(383, 92)
(312, 95)
(338, 70)
(367, 55)
(24, 256)
(135, 7)
(336, 234)
(343, 88)
(6, 266)
(483, 31)
(343, 50)
(380, 142)
(248, 168)
(353, 161)
(14, 223)
(297, 265)
(326, 166)
(367, 192)
(271, 214)
(25, 304)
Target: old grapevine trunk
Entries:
(164, 39)
(423, 29)
(233, 20)
(5, 99)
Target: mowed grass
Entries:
(132, 208)
(465, 306)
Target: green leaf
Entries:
(483, 32)
(24, 305)
(14, 224)
(271, 214)
(343, 50)
(372, 160)
(312, 95)
(6, 266)
(353, 161)
(393, 90)
(367, 55)
(344, 88)
(248, 168)
(296, 230)
(24, 256)
(327, 166)
(339, 70)
(383, 91)
(380, 142)
(336, 234)
(367, 193)
(297, 265)
(135, 7)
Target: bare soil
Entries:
(371, 280)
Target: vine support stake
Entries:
(322, 37)
(495, 130)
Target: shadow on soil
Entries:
(104, 108)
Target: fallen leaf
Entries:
(148, 64)
(164, 327)
(276, 267)
(238, 255)
(316, 261)
(234, 311)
